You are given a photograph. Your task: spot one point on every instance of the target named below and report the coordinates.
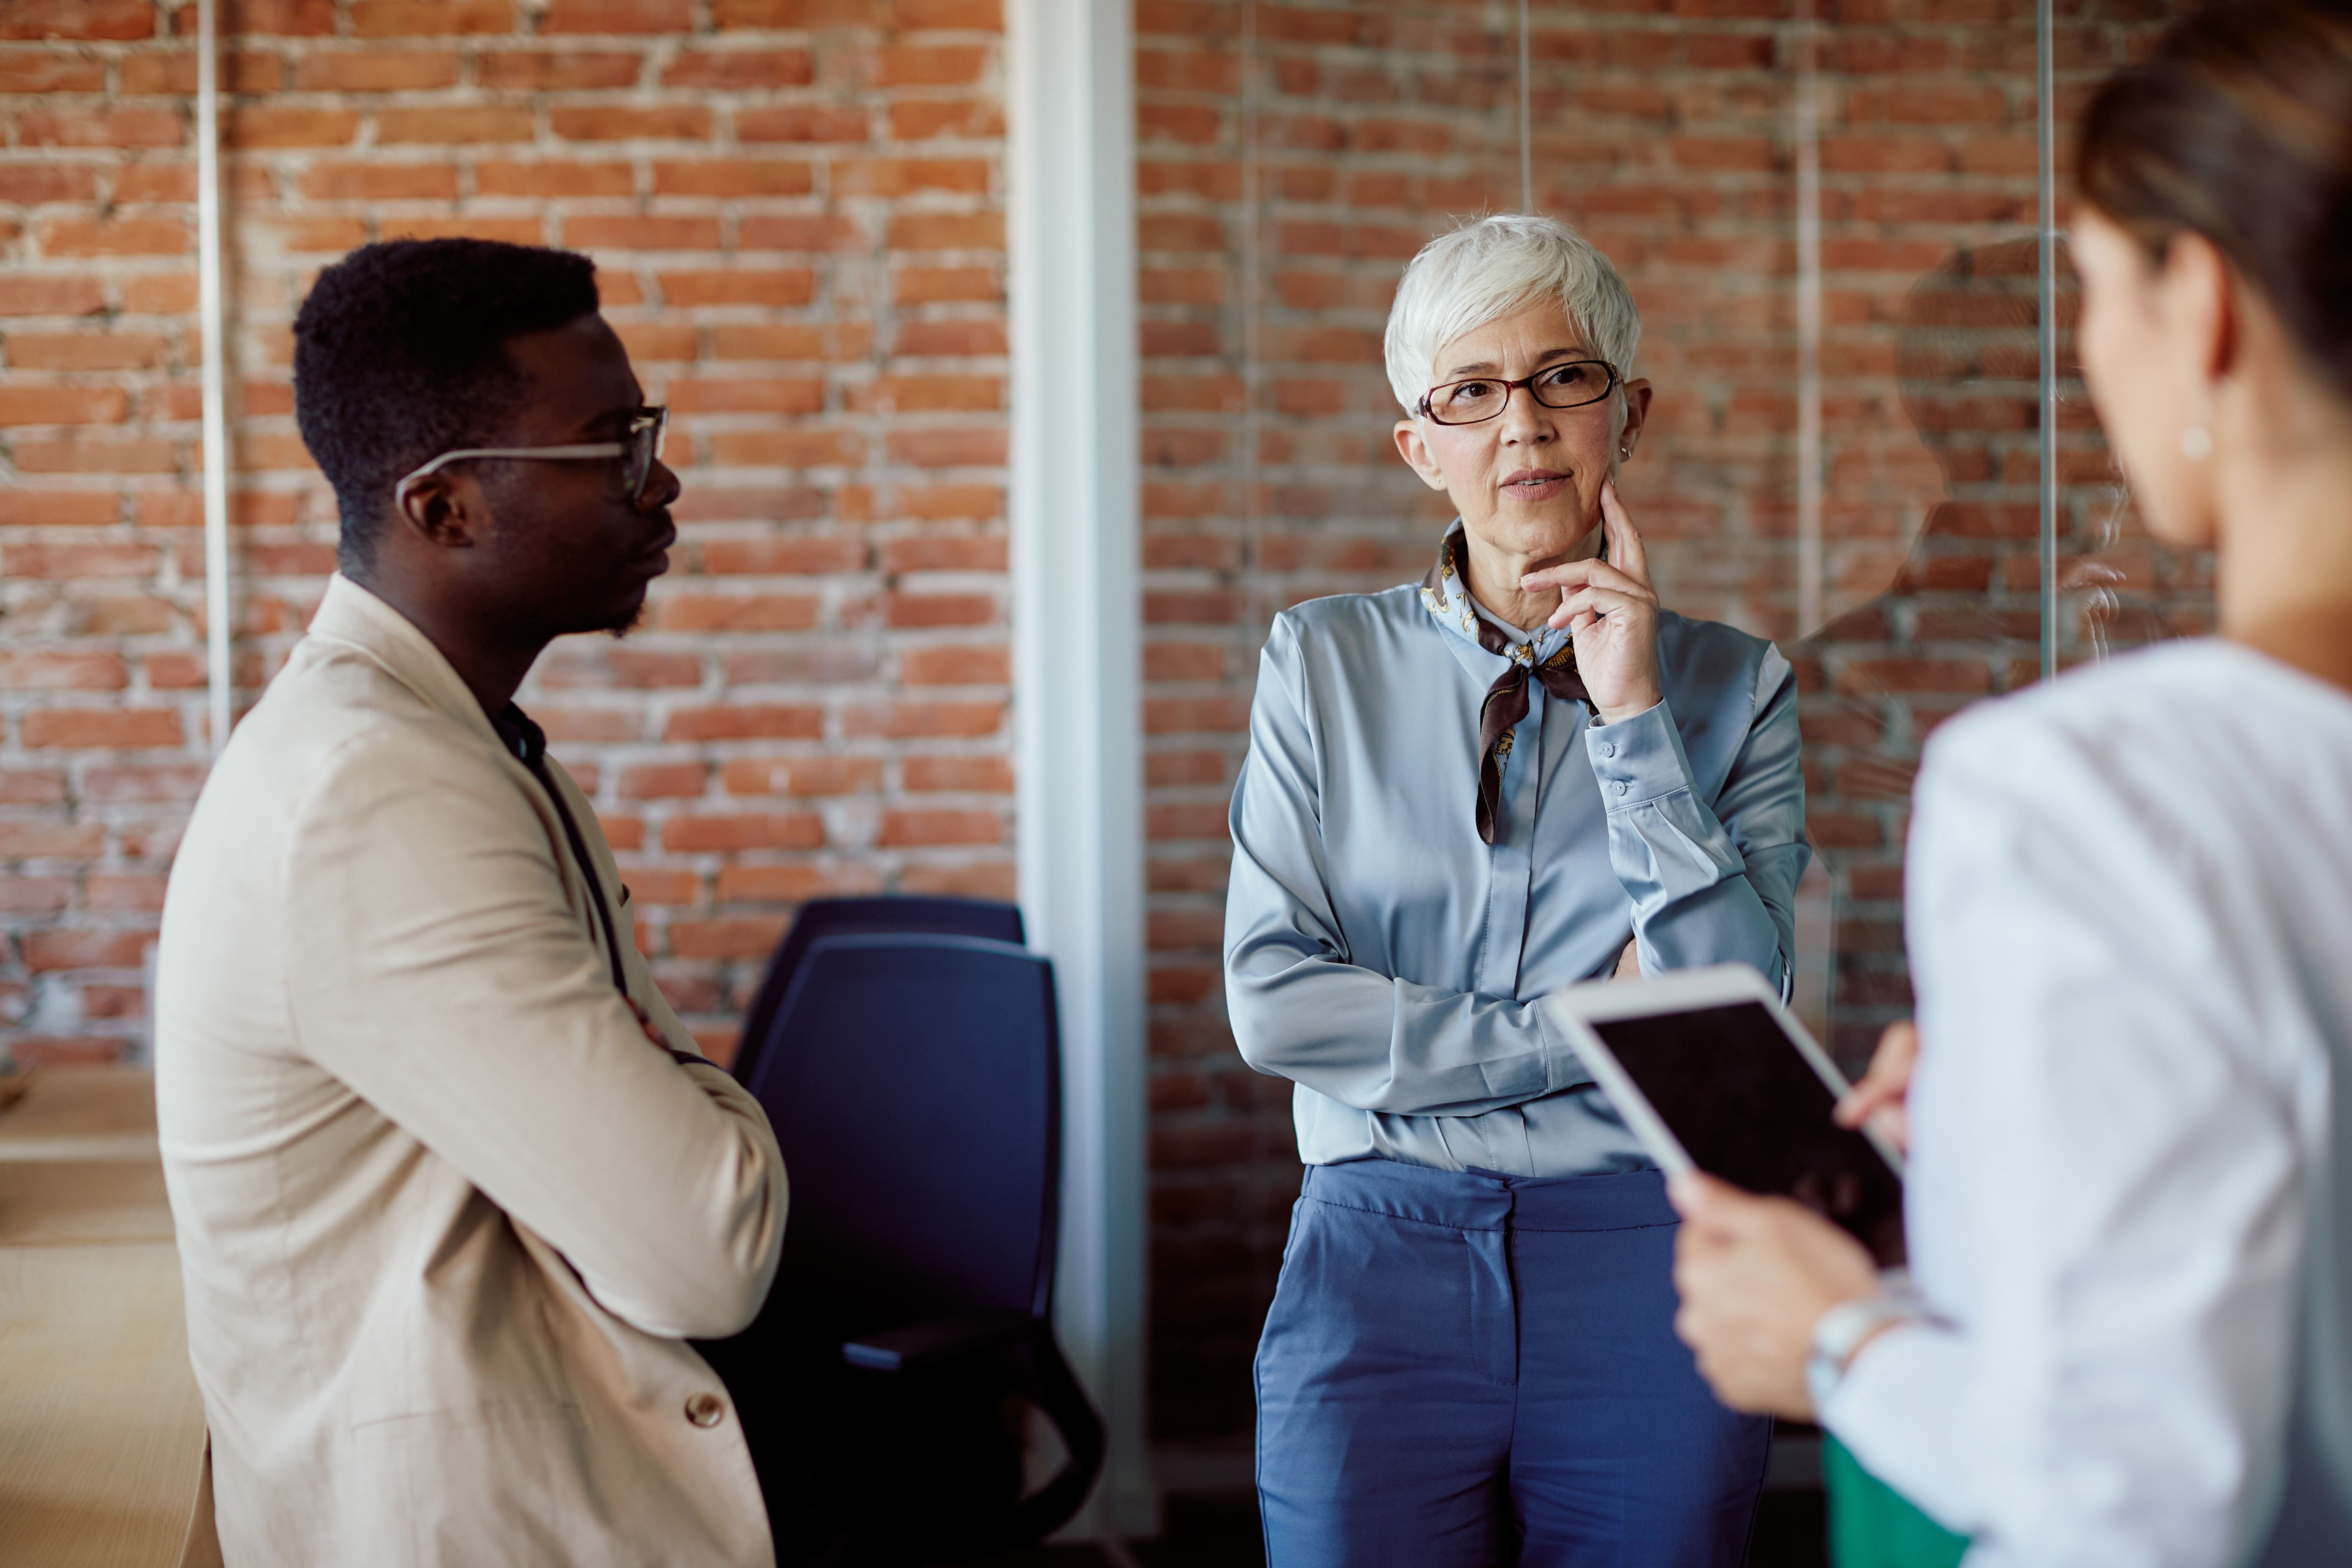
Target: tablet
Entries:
(1712, 1073)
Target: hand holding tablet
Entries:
(1712, 1073)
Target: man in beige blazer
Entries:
(452, 1185)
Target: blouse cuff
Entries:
(1638, 759)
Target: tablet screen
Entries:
(1736, 1093)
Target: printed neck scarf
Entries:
(1506, 699)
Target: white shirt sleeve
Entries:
(2108, 1192)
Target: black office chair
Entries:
(914, 1085)
(851, 916)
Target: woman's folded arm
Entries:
(1300, 1010)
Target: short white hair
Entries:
(1489, 268)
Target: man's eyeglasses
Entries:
(1570, 385)
(638, 448)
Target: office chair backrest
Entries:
(914, 1083)
(821, 918)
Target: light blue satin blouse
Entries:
(1386, 961)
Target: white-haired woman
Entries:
(1461, 795)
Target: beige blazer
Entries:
(446, 1217)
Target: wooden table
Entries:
(101, 1425)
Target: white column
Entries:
(214, 315)
(1078, 673)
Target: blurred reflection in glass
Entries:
(1962, 619)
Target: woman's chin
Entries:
(1545, 533)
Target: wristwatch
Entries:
(1838, 1333)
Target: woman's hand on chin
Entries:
(1611, 613)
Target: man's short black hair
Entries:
(400, 355)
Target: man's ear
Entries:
(447, 510)
(1415, 452)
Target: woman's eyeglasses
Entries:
(638, 448)
(1570, 385)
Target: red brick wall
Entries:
(795, 206)
(1293, 156)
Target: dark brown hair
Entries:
(2239, 128)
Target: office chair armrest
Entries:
(936, 1341)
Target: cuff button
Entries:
(705, 1409)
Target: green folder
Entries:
(1872, 1525)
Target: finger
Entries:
(1612, 600)
(1560, 574)
(1877, 1089)
(1884, 1114)
(1891, 1063)
(1690, 1192)
(1625, 550)
(1887, 1083)
(1695, 1195)
(1578, 618)
(1575, 612)
(1578, 574)
(1572, 574)
(1699, 1271)
(1600, 604)
(1728, 1218)
(1884, 1079)
(1863, 1101)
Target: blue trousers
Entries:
(1466, 1369)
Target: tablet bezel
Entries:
(1682, 991)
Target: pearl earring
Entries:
(2197, 440)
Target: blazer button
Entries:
(705, 1409)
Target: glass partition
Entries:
(1831, 222)
(1927, 546)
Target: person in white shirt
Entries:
(2129, 908)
